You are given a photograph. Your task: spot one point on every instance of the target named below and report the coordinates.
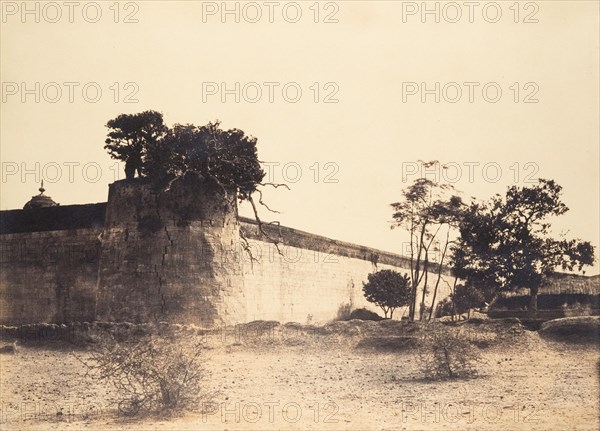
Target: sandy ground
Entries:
(323, 382)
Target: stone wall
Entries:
(178, 256)
(312, 278)
(49, 276)
(165, 255)
(174, 256)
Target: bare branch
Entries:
(261, 226)
(260, 201)
(274, 185)
(246, 247)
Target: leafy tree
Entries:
(227, 156)
(388, 289)
(427, 211)
(505, 244)
(463, 298)
(466, 297)
(161, 154)
(130, 136)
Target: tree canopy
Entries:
(505, 243)
(229, 156)
(429, 212)
(388, 289)
(131, 135)
(160, 154)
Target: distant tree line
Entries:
(494, 246)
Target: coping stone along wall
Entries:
(69, 217)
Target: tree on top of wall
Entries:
(162, 154)
(130, 136)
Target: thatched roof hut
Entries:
(562, 295)
(563, 284)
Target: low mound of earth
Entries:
(582, 329)
(366, 334)
(364, 314)
(389, 343)
(354, 375)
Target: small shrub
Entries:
(343, 312)
(152, 374)
(444, 308)
(447, 353)
(388, 289)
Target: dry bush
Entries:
(447, 352)
(151, 374)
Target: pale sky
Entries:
(351, 153)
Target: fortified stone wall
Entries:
(178, 256)
(164, 255)
(174, 256)
(49, 277)
(313, 278)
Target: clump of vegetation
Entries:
(160, 153)
(151, 375)
(430, 213)
(388, 289)
(344, 311)
(445, 352)
(364, 314)
(464, 298)
(228, 158)
(506, 243)
(130, 138)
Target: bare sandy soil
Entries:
(324, 381)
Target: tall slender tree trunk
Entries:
(411, 306)
(422, 306)
(411, 311)
(416, 275)
(439, 274)
(453, 296)
(533, 295)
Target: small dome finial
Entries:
(41, 200)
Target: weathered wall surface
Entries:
(313, 278)
(165, 255)
(48, 276)
(178, 256)
(174, 257)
